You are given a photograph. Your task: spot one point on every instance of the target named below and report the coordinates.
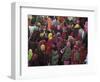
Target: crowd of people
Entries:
(57, 40)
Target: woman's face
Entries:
(42, 47)
(68, 44)
(77, 21)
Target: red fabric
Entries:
(49, 46)
(73, 58)
(83, 55)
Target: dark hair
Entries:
(82, 21)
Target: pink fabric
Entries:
(66, 62)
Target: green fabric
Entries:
(54, 57)
(35, 28)
(30, 55)
(33, 19)
(66, 54)
(77, 55)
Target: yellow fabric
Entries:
(77, 26)
(50, 36)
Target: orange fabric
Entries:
(49, 23)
